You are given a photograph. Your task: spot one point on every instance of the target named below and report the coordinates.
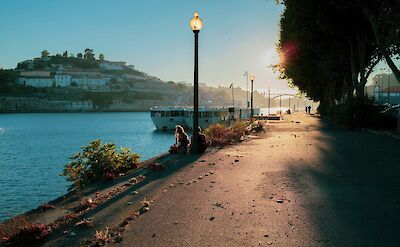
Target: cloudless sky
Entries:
(153, 35)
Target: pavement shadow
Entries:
(351, 191)
(110, 210)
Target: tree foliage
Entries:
(328, 49)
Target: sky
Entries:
(153, 35)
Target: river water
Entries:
(35, 147)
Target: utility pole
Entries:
(269, 101)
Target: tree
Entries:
(79, 55)
(101, 57)
(325, 56)
(89, 55)
(385, 23)
(45, 54)
(65, 54)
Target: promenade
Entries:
(302, 183)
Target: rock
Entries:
(146, 209)
(212, 218)
(71, 234)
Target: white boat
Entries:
(208, 116)
(166, 118)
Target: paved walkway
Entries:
(303, 183)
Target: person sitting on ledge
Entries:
(203, 143)
(181, 141)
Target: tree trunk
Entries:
(354, 65)
(372, 20)
(361, 40)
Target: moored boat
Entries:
(166, 118)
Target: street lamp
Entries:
(196, 24)
(269, 101)
(252, 78)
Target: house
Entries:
(36, 78)
(63, 80)
(108, 65)
(391, 95)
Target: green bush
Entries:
(98, 161)
(358, 114)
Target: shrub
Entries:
(98, 161)
(221, 135)
(359, 114)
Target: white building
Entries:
(112, 65)
(36, 81)
(84, 81)
(63, 80)
(35, 73)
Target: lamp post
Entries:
(196, 24)
(252, 78)
(269, 101)
(381, 87)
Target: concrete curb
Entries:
(384, 133)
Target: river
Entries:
(35, 147)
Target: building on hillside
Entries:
(92, 81)
(35, 73)
(37, 78)
(108, 65)
(387, 95)
(133, 77)
(37, 81)
(63, 80)
(34, 104)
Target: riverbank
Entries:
(35, 147)
(304, 182)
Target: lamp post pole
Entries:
(269, 101)
(251, 98)
(196, 92)
(196, 24)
